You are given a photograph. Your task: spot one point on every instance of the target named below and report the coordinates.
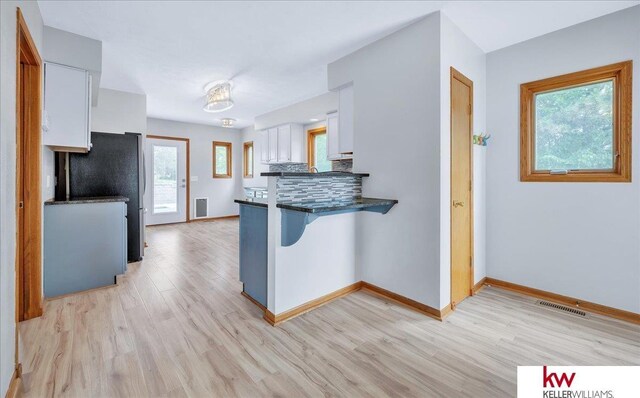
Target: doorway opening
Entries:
(168, 173)
(461, 187)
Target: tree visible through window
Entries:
(221, 159)
(577, 127)
(574, 128)
(317, 149)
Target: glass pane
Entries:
(320, 155)
(574, 128)
(165, 179)
(221, 160)
(250, 160)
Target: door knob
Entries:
(183, 186)
(458, 204)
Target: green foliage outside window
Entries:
(574, 128)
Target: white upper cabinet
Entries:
(282, 144)
(333, 151)
(264, 146)
(273, 145)
(67, 108)
(340, 127)
(345, 120)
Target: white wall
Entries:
(300, 112)
(220, 191)
(397, 139)
(576, 239)
(458, 51)
(31, 13)
(306, 270)
(250, 134)
(119, 112)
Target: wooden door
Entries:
(28, 194)
(461, 187)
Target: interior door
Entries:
(166, 181)
(461, 187)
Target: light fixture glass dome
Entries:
(219, 97)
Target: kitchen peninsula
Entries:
(297, 248)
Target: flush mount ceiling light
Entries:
(227, 122)
(218, 96)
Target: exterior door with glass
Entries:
(166, 168)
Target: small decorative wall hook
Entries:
(481, 139)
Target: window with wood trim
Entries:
(221, 159)
(577, 127)
(317, 149)
(247, 163)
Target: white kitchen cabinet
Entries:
(67, 108)
(273, 145)
(345, 120)
(282, 144)
(264, 146)
(333, 151)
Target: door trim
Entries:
(28, 138)
(456, 75)
(187, 140)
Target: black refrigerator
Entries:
(114, 167)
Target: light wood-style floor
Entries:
(176, 326)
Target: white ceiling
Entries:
(275, 52)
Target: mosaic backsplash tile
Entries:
(290, 167)
(318, 189)
(342, 165)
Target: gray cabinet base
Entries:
(84, 246)
(253, 251)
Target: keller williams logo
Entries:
(548, 379)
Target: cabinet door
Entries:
(273, 145)
(67, 107)
(345, 121)
(264, 146)
(333, 151)
(284, 143)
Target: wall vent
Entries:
(562, 308)
(200, 208)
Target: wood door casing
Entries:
(28, 168)
(461, 187)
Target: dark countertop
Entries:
(313, 175)
(328, 206)
(83, 200)
(260, 202)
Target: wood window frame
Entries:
(620, 73)
(229, 163)
(311, 144)
(247, 169)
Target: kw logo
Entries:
(549, 379)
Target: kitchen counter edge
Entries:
(85, 200)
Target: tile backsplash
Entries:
(342, 165)
(322, 189)
(289, 167)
